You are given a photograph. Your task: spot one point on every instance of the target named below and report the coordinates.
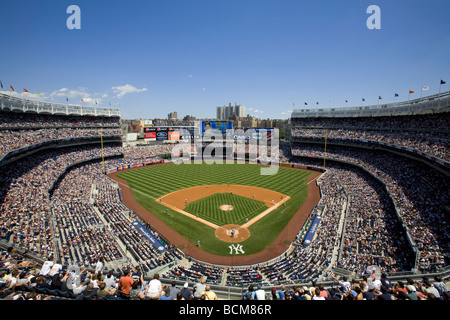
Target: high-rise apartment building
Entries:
(226, 112)
(172, 116)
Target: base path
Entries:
(182, 197)
(178, 200)
(278, 247)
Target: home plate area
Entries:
(232, 233)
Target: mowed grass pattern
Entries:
(153, 182)
(209, 209)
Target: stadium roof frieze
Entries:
(10, 103)
(429, 104)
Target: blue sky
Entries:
(157, 56)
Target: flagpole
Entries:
(325, 153)
(103, 158)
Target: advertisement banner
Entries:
(149, 236)
(162, 134)
(262, 133)
(290, 165)
(173, 135)
(149, 134)
(312, 230)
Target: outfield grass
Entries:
(150, 183)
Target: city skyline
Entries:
(150, 58)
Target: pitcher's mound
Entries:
(226, 207)
(224, 233)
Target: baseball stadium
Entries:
(123, 177)
(356, 191)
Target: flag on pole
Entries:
(1, 84)
(25, 90)
(346, 101)
(38, 93)
(67, 99)
(379, 98)
(363, 99)
(440, 85)
(411, 91)
(11, 87)
(82, 100)
(306, 104)
(425, 88)
(395, 96)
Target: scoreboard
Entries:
(170, 133)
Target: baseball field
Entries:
(222, 209)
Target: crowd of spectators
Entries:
(419, 193)
(438, 121)
(368, 288)
(19, 130)
(142, 151)
(435, 144)
(31, 120)
(15, 139)
(85, 194)
(195, 272)
(312, 261)
(26, 220)
(429, 134)
(23, 279)
(372, 233)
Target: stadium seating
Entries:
(376, 207)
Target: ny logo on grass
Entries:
(237, 249)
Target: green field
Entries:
(150, 183)
(208, 209)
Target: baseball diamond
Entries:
(245, 196)
(184, 201)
